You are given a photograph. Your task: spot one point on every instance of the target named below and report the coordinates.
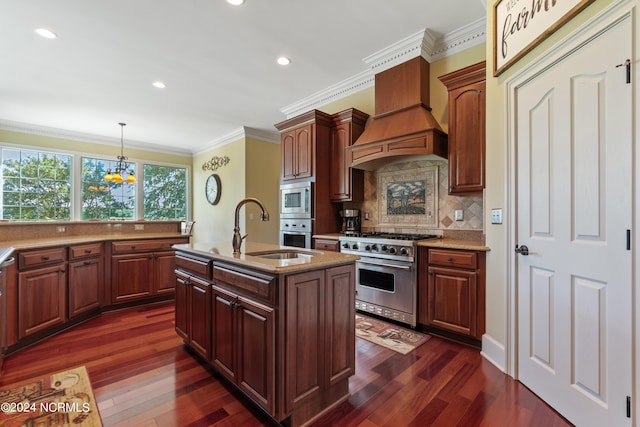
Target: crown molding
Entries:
(87, 137)
(242, 132)
(422, 43)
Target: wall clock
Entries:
(213, 189)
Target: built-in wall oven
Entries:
(386, 273)
(296, 222)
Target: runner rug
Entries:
(388, 335)
(64, 399)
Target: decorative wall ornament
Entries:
(215, 163)
(409, 197)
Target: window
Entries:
(36, 185)
(102, 199)
(165, 192)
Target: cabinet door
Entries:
(85, 283)
(467, 138)
(165, 265)
(131, 277)
(256, 352)
(340, 172)
(223, 324)
(304, 151)
(305, 357)
(452, 300)
(42, 299)
(200, 316)
(340, 318)
(182, 306)
(288, 150)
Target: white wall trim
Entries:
(422, 43)
(494, 352)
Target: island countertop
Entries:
(223, 251)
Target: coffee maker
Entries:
(350, 222)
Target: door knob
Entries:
(522, 250)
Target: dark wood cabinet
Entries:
(42, 290)
(86, 272)
(326, 245)
(467, 107)
(142, 269)
(306, 156)
(193, 312)
(347, 184)
(243, 339)
(452, 291)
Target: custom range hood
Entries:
(403, 124)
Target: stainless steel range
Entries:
(386, 274)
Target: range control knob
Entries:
(374, 247)
(345, 245)
(354, 246)
(392, 250)
(404, 251)
(384, 248)
(367, 248)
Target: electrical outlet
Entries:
(366, 216)
(496, 216)
(138, 227)
(458, 215)
(61, 229)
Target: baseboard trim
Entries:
(494, 352)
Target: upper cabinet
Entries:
(304, 145)
(347, 184)
(467, 106)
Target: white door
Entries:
(574, 171)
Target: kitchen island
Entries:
(278, 322)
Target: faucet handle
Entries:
(243, 237)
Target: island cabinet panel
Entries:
(131, 277)
(86, 273)
(305, 336)
(243, 345)
(193, 312)
(340, 319)
(165, 264)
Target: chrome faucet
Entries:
(237, 239)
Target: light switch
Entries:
(458, 215)
(496, 216)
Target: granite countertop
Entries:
(223, 251)
(20, 245)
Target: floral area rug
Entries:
(388, 335)
(64, 399)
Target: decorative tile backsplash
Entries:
(376, 187)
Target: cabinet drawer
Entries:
(327, 245)
(199, 266)
(85, 251)
(460, 259)
(41, 257)
(245, 282)
(142, 246)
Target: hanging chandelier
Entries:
(122, 167)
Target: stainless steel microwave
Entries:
(295, 200)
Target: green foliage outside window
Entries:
(165, 192)
(36, 186)
(102, 199)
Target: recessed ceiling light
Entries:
(159, 85)
(283, 60)
(48, 34)
(235, 2)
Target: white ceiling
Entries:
(217, 60)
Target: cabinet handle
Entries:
(62, 270)
(89, 262)
(87, 251)
(45, 258)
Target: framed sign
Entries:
(520, 25)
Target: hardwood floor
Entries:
(143, 376)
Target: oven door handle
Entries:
(382, 264)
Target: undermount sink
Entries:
(282, 254)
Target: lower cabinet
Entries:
(42, 299)
(193, 312)
(452, 292)
(326, 245)
(243, 345)
(86, 274)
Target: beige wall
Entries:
(253, 171)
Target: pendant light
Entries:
(122, 167)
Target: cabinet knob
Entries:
(87, 251)
(45, 258)
(450, 259)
